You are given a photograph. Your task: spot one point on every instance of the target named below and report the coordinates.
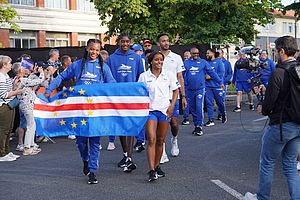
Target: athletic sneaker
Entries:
(237, 109)
(159, 172)
(30, 152)
(129, 165)
(198, 131)
(92, 178)
(251, 107)
(13, 155)
(224, 119)
(174, 148)
(250, 196)
(152, 175)
(219, 117)
(7, 158)
(139, 147)
(298, 166)
(209, 123)
(20, 147)
(185, 122)
(72, 137)
(85, 169)
(164, 159)
(111, 146)
(122, 162)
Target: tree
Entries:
(190, 21)
(7, 16)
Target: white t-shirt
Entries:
(159, 89)
(173, 64)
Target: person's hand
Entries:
(170, 111)
(207, 77)
(40, 70)
(259, 109)
(222, 86)
(249, 80)
(18, 91)
(184, 103)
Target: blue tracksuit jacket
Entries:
(125, 67)
(218, 66)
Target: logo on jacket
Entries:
(124, 70)
(89, 75)
(194, 70)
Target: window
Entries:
(57, 39)
(85, 6)
(25, 39)
(290, 27)
(284, 27)
(84, 37)
(22, 2)
(59, 4)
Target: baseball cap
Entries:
(137, 47)
(147, 41)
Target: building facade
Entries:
(283, 25)
(54, 23)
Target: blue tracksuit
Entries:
(194, 79)
(227, 78)
(213, 89)
(240, 78)
(92, 73)
(267, 71)
(126, 67)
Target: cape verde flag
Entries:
(119, 109)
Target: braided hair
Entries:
(90, 41)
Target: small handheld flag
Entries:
(27, 64)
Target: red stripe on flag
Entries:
(96, 106)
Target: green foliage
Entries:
(7, 16)
(187, 21)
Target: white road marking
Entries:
(228, 189)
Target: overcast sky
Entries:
(287, 2)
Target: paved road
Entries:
(226, 153)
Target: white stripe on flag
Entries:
(96, 99)
(90, 113)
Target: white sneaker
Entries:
(72, 137)
(20, 147)
(7, 158)
(100, 147)
(174, 148)
(298, 165)
(111, 146)
(13, 155)
(250, 196)
(30, 152)
(164, 157)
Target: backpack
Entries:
(293, 107)
(292, 100)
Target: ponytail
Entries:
(85, 57)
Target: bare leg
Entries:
(21, 135)
(161, 134)
(239, 96)
(151, 127)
